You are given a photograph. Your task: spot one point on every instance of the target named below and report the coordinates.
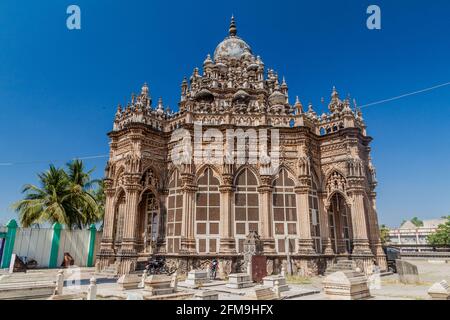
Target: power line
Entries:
(5, 164)
(406, 95)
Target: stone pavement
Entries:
(388, 288)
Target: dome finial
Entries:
(233, 29)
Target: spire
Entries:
(233, 29)
(160, 108)
(208, 60)
(334, 94)
(144, 89)
(298, 105)
(119, 110)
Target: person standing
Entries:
(213, 268)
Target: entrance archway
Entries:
(339, 224)
(150, 216)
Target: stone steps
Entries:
(341, 265)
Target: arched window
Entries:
(314, 218)
(246, 206)
(150, 214)
(174, 213)
(207, 213)
(284, 213)
(119, 217)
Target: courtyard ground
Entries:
(382, 288)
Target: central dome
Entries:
(232, 46)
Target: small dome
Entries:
(241, 95)
(204, 95)
(277, 98)
(252, 66)
(208, 61)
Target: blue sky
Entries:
(59, 89)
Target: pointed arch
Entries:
(339, 222)
(117, 177)
(316, 178)
(119, 191)
(347, 199)
(289, 170)
(251, 169)
(119, 205)
(202, 168)
(172, 168)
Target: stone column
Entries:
(375, 240)
(127, 254)
(106, 253)
(162, 221)
(187, 228)
(303, 220)
(227, 241)
(327, 247)
(360, 237)
(265, 214)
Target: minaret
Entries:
(184, 88)
(160, 109)
(284, 89)
(334, 103)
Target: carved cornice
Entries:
(227, 188)
(302, 189)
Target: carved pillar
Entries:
(162, 221)
(360, 237)
(375, 241)
(303, 220)
(106, 254)
(188, 223)
(327, 248)
(227, 242)
(265, 214)
(127, 254)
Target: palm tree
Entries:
(82, 193)
(100, 198)
(47, 203)
(63, 197)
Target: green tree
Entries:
(417, 222)
(384, 234)
(100, 198)
(442, 234)
(64, 197)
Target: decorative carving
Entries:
(336, 182)
(234, 90)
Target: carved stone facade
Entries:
(317, 205)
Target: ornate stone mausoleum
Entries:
(307, 188)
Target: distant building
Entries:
(408, 233)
